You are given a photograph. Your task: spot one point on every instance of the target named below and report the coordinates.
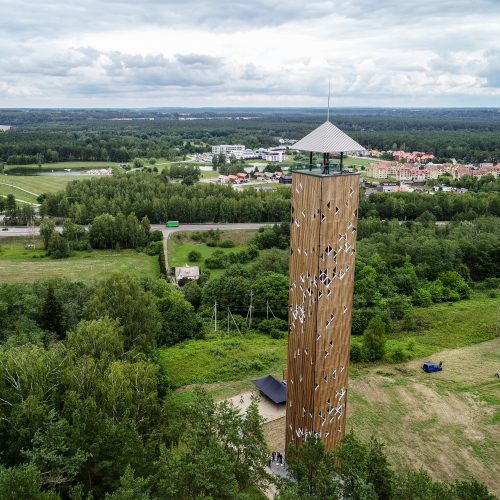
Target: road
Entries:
(25, 231)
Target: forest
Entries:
(152, 195)
(88, 408)
(88, 412)
(47, 136)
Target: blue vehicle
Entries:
(430, 367)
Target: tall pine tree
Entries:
(51, 317)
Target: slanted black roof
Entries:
(271, 387)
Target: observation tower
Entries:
(322, 253)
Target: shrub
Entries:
(227, 244)
(268, 325)
(422, 297)
(57, 246)
(455, 282)
(156, 236)
(218, 260)
(399, 355)
(356, 354)
(194, 256)
(83, 244)
(154, 248)
(277, 334)
(163, 267)
(491, 283)
(253, 251)
(374, 339)
(242, 257)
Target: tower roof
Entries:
(327, 138)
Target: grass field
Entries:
(21, 264)
(19, 194)
(180, 244)
(216, 359)
(35, 184)
(41, 183)
(209, 174)
(223, 358)
(447, 423)
(447, 325)
(48, 167)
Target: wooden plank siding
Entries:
(322, 253)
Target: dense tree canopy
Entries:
(151, 195)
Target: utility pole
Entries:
(229, 313)
(250, 310)
(496, 324)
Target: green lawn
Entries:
(19, 194)
(21, 264)
(180, 244)
(446, 326)
(223, 358)
(48, 167)
(37, 183)
(209, 174)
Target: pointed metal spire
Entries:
(328, 112)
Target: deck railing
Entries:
(334, 166)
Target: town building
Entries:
(228, 149)
(274, 156)
(187, 273)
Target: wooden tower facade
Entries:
(322, 247)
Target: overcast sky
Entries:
(135, 53)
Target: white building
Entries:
(389, 188)
(275, 156)
(187, 272)
(228, 149)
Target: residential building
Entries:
(388, 187)
(187, 272)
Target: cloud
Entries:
(190, 52)
(491, 70)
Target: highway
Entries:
(167, 231)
